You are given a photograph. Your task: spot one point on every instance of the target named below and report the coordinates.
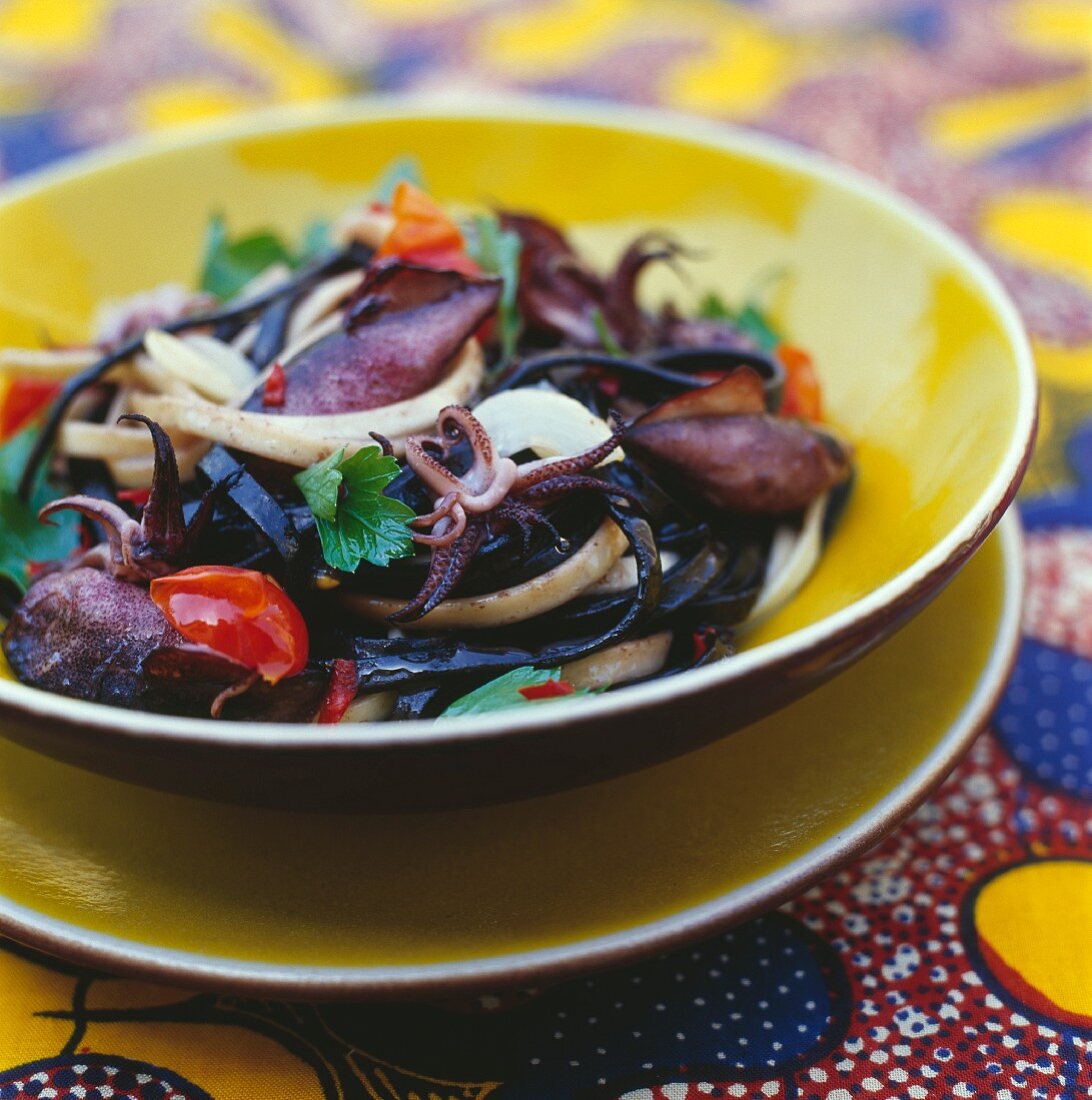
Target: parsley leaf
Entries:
(751, 319)
(497, 252)
(23, 538)
(228, 265)
(355, 521)
(606, 337)
(399, 169)
(503, 692)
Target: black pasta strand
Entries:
(94, 373)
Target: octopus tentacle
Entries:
(448, 565)
(121, 529)
(573, 464)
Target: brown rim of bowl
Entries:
(870, 611)
(554, 964)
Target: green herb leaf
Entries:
(23, 539)
(712, 308)
(316, 240)
(320, 485)
(229, 265)
(399, 169)
(751, 319)
(497, 251)
(503, 692)
(606, 337)
(754, 323)
(355, 521)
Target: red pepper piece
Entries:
(550, 689)
(24, 400)
(136, 497)
(276, 386)
(803, 397)
(341, 692)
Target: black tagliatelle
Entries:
(430, 469)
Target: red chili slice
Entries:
(341, 692)
(275, 389)
(550, 689)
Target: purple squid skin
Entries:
(415, 321)
(751, 464)
(89, 635)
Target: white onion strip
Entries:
(509, 605)
(189, 365)
(633, 659)
(48, 363)
(794, 553)
(321, 301)
(305, 440)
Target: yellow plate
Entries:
(307, 906)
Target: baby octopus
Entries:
(493, 494)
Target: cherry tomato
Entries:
(23, 400)
(424, 234)
(240, 613)
(803, 397)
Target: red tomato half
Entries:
(240, 613)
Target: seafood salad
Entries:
(423, 463)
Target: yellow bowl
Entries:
(922, 358)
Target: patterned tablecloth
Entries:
(953, 960)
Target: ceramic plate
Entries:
(310, 906)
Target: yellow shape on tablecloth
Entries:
(1061, 26)
(290, 70)
(743, 68)
(1046, 228)
(1033, 924)
(26, 990)
(556, 37)
(977, 125)
(1070, 367)
(51, 26)
(172, 103)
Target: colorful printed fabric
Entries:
(956, 958)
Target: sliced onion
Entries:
(305, 440)
(48, 363)
(135, 471)
(365, 224)
(509, 605)
(619, 664)
(794, 554)
(371, 708)
(321, 301)
(189, 365)
(82, 439)
(229, 359)
(547, 422)
(622, 575)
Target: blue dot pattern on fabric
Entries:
(1045, 718)
(748, 1003)
(95, 1077)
